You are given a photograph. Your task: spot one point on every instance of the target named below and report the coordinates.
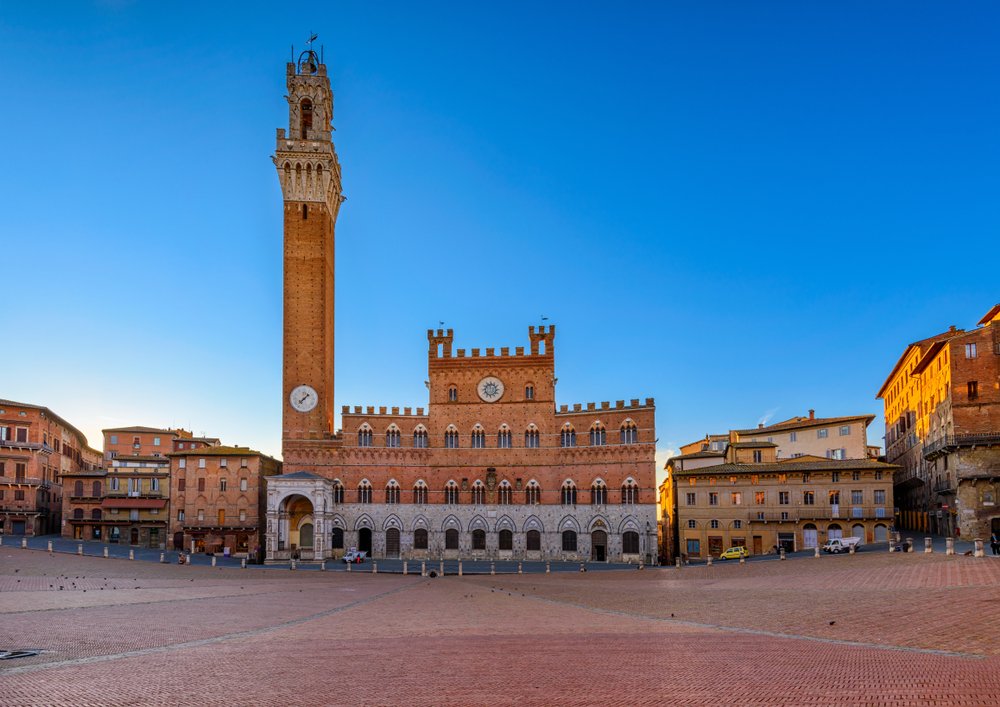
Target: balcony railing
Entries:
(24, 481)
(948, 443)
(944, 486)
(794, 514)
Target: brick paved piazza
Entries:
(874, 628)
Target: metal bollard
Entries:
(404, 567)
(79, 549)
(979, 552)
(213, 560)
(708, 562)
(459, 568)
(949, 546)
(374, 567)
(163, 557)
(493, 568)
(548, 569)
(423, 569)
(928, 546)
(816, 551)
(131, 555)
(243, 563)
(105, 552)
(781, 554)
(50, 546)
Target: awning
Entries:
(134, 503)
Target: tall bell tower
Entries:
(309, 173)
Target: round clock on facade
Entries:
(303, 398)
(490, 389)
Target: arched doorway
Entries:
(834, 532)
(179, 540)
(365, 540)
(810, 536)
(881, 533)
(599, 546)
(297, 524)
(392, 542)
(858, 531)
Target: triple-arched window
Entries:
(568, 493)
(598, 493)
(598, 435)
(629, 432)
(505, 494)
(630, 492)
(567, 438)
(478, 437)
(532, 493)
(420, 437)
(392, 492)
(451, 493)
(365, 436)
(420, 492)
(503, 437)
(531, 437)
(364, 492)
(478, 493)
(338, 492)
(451, 437)
(392, 436)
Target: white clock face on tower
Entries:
(303, 398)
(490, 389)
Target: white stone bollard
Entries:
(163, 557)
(291, 564)
(50, 546)
(423, 569)
(213, 560)
(322, 566)
(949, 546)
(928, 546)
(1, 539)
(909, 544)
(79, 549)
(979, 552)
(708, 561)
(106, 552)
(243, 563)
(459, 568)
(781, 554)
(404, 567)
(816, 551)
(131, 554)
(441, 573)
(493, 568)
(548, 569)
(349, 566)
(743, 560)
(677, 562)
(520, 569)
(850, 550)
(24, 543)
(374, 567)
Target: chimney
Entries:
(760, 425)
(952, 328)
(812, 414)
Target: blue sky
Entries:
(744, 210)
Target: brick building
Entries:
(82, 509)
(491, 467)
(748, 497)
(217, 499)
(37, 448)
(942, 427)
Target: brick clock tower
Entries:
(309, 173)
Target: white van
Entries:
(838, 545)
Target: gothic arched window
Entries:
(629, 432)
(451, 438)
(568, 493)
(392, 436)
(598, 493)
(531, 437)
(365, 436)
(451, 493)
(364, 492)
(505, 494)
(420, 437)
(420, 492)
(630, 492)
(305, 118)
(503, 437)
(567, 438)
(532, 493)
(392, 492)
(478, 493)
(598, 435)
(478, 437)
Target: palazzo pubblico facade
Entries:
(490, 468)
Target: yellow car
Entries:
(734, 553)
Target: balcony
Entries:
(844, 512)
(25, 481)
(792, 516)
(944, 487)
(949, 443)
(25, 446)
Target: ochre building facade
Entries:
(491, 467)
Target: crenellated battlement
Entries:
(369, 410)
(542, 343)
(633, 404)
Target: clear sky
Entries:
(744, 210)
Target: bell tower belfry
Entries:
(309, 173)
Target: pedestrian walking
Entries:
(995, 543)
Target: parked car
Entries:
(734, 553)
(354, 556)
(838, 545)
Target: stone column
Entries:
(928, 546)
(979, 552)
(949, 546)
